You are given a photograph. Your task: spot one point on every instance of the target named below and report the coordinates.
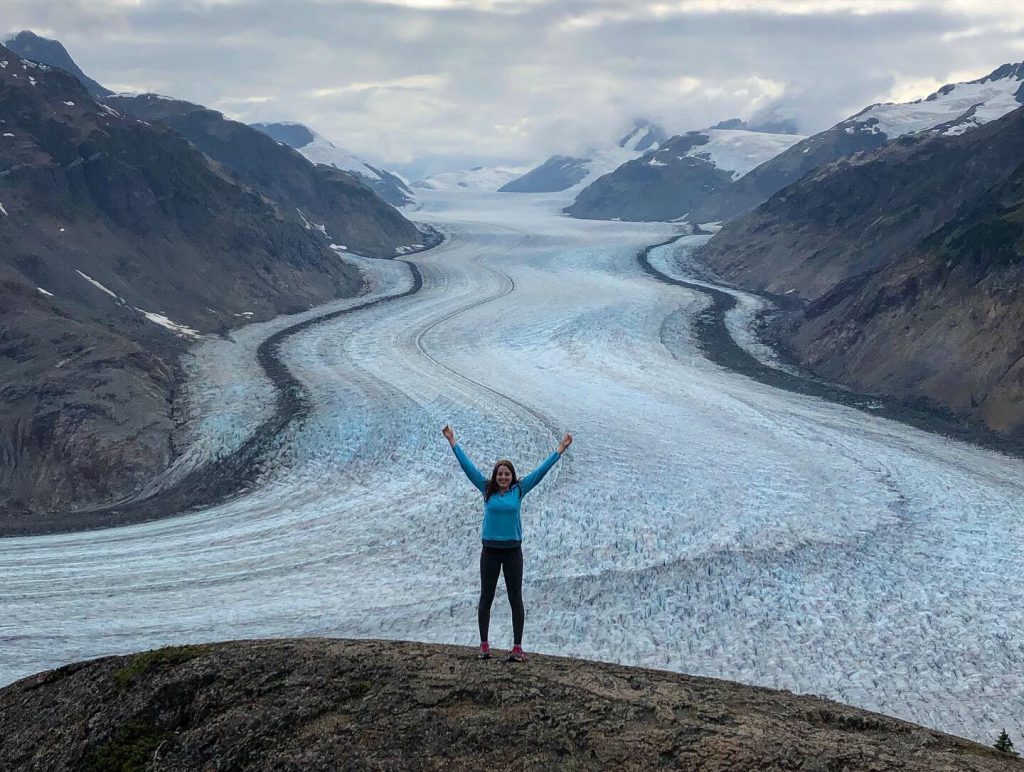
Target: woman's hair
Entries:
(492, 484)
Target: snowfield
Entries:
(701, 522)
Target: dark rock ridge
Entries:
(561, 172)
(333, 202)
(390, 187)
(790, 165)
(322, 704)
(910, 260)
(29, 45)
(326, 199)
(103, 220)
(857, 133)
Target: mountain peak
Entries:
(29, 45)
(1009, 71)
(643, 136)
(295, 135)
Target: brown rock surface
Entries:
(323, 704)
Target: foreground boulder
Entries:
(321, 704)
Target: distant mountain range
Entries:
(319, 150)
(560, 172)
(698, 192)
(952, 109)
(479, 178)
(678, 176)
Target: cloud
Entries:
(512, 81)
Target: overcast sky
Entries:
(433, 84)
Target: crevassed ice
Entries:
(701, 522)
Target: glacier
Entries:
(701, 522)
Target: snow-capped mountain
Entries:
(561, 172)
(321, 150)
(953, 109)
(668, 182)
(479, 178)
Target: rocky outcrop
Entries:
(121, 243)
(320, 704)
(911, 262)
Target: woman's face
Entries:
(503, 477)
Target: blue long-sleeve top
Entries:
(502, 526)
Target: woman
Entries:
(502, 535)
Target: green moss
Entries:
(147, 661)
(131, 749)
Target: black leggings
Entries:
(492, 560)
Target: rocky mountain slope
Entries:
(679, 176)
(29, 45)
(121, 242)
(321, 704)
(333, 202)
(911, 261)
(561, 172)
(320, 150)
(953, 109)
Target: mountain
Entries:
(560, 172)
(320, 150)
(479, 178)
(910, 262)
(329, 200)
(953, 109)
(325, 199)
(121, 244)
(29, 45)
(677, 177)
(320, 704)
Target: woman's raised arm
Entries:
(467, 466)
(527, 483)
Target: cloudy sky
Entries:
(427, 85)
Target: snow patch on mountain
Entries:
(573, 173)
(322, 151)
(740, 151)
(953, 109)
(100, 287)
(479, 178)
(163, 321)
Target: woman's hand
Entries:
(566, 442)
(450, 435)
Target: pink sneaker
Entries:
(517, 654)
(485, 650)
